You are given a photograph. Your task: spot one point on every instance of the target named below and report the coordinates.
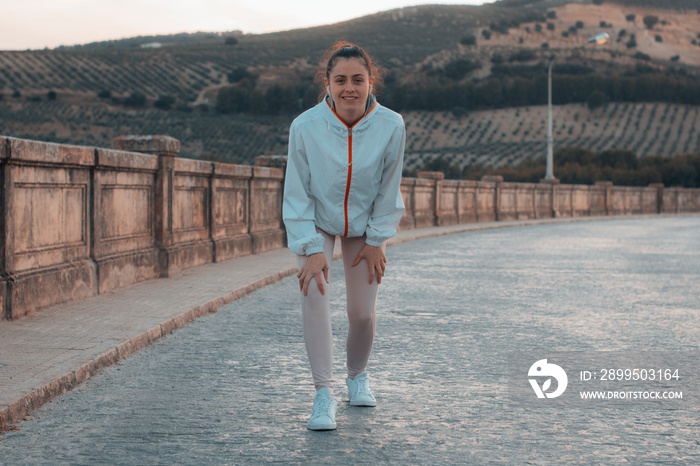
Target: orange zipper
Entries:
(349, 180)
(347, 185)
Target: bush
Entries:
(604, 24)
(136, 99)
(598, 2)
(658, 38)
(579, 25)
(632, 42)
(230, 41)
(565, 33)
(240, 73)
(550, 26)
(164, 102)
(233, 99)
(596, 100)
(551, 14)
(105, 95)
(458, 69)
(642, 56)
(34, 98)
(486, 33)
(497, 59)
(538, 27)
(459, 112)
(522, 55)
(17, 94)
(545, 45)
(630, 17)
(501, 27)
(622, 33)
(675, 58)
(650, 21)
(468, 40)
(51, 95)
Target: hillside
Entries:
(491, 137)
(417, 46)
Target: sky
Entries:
(37, 24)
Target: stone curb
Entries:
(17, 411)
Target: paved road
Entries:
(234, 387)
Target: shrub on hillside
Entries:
(675, 58)
(17, 94)
(468, 40)
(105, 94)
(632, 42)
(545, 45)
(658, 38)
(51, 95)
(538, 27)
(551, 14)
(579, 25)
(642, 56)
(458, 69)
(497, 59)
(233, 99)
(230, 41)
(650, 21)
(522, 55)
(630, 17)
(164, 102)
(486, 33)
(550, 26)
(597, 99)
(136, 99)
(240, 73)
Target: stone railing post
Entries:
(166, 148)
(497, 179)
(607, 185)
(659, 196)
(438, 177)
(555, 202)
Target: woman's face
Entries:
(349, 86)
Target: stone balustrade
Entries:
(78, 221)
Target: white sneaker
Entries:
(359, 392)
(323, 415)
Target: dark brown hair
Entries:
(345, 49)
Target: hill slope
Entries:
(410, 42)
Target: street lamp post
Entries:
(549, 175)
(550, 150)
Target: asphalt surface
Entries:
(458, 316)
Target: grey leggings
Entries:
(361, 302)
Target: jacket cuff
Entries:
(374, 242)
(313, 250)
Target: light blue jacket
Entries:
(343, 180)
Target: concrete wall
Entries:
(78, 221)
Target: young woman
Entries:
(343, 179)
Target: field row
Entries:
(495, 138)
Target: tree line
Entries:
(521, 85)
(576, 165)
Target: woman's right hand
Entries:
(316, 267)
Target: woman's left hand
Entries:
(376, 260)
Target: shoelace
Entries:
(322, 407)
(362, 386)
